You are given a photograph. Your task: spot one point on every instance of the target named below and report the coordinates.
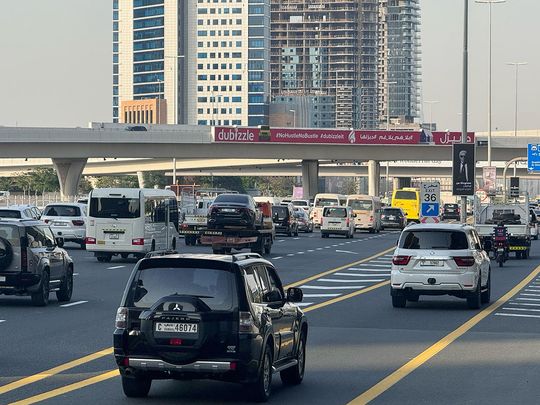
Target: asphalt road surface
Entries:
(360, 348)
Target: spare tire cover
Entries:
(6, 254)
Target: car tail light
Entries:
(121, 318)
(78, 222)
(246, 324)
(125, 362)
(383, 216)
(90, 241)
(185, 226)
(175, 342)
(348, 222)
(464, 261)
(371, 218)
(137, 241)
(401, 260)
(233, 365)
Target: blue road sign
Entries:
(533, 157)
(430, 209)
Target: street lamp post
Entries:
(464, 105)
(159, 101)
(430, 112)
(294, 117)
(489, 3)
(517, 65)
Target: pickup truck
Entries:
(514, 216)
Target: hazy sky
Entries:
(56, 62)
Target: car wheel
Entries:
(104, 259)
(296, 232)
(262, 388)
(173, 245)
(294, 375)
(136, 387)
(486, 294)
(41, 297)
(474, 299)
(352, 234)
(124, 255)
(399, 301)
(66, 288)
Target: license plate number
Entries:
(430, 263)
(2, 279)
(59, 224)
(391, 217)
(113, 236)
(177, 327)
(228, 210)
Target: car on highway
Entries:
(32, 263)
(393, 218)
(234, 210)
(304, 204)
(20, 212)
(440, 259)
(284, 219)
(337, 221)
(534, 223)
(450, 211)
(67, 221)
(304, 223)
(220, 317)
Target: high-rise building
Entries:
(327, 50)
(399, 56)
(207, 58)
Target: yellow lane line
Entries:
(68, 388)
(436, 348)
(59, 369)
(111, 374)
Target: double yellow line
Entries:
(114, 373)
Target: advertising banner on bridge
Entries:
(316, 136)
(463, 169)
(449, 138)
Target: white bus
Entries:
(325, 200)
(124, 221)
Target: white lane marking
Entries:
(277, 257)
(359, 269)
(380, 262)
(522, 309)
(341, 287)
(530, 290)
(391, 256)
(319, 248)
(311, 236)
(528, 299)
(534, 286)
(3, 320)
(518, 315)
(530, 295)
(321, 295)
(75, 274)
(346, 251)
(375, 265)
(290, 254)
(348, 242)
(115, 267)
(334, 280)
(300, 253)
(281, 240)
(310, 250)
(296, 238)
(361, 275)
(327, 247)
(524, 304)
(341, 244)
(71, 304)
(304, 304)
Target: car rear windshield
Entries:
(391, 211)
(215, 287)
(335, 212)
(405, 195)
(450, 205)
(62, 211)
(10, 214)
(300, 203)
(111, 207)
(9, 233)
(434, 239)
(325, 202)
(232, 198)
(282, 212)
(363, 205)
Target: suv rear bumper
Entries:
(442, 282)
(18, 283)
(197, 366)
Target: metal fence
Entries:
(39, 200)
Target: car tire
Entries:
(41, 297)
(104, 259)
(399, 301)
(486, 294)
(136, 387)
(294, 375)
(124, 255)
(262, 388)
(474, 299)
(7, 257)
(66, 288)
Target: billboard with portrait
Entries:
(463, 169)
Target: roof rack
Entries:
(243, 256)
(160, 253)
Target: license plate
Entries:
(228, 210)
(2, 279)
(430, 263)
(113, 236)
(59, 224)
(177, 327)
(100, 242)
(391, 217)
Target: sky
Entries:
(56, 64)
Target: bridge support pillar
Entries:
(140, 178)
(69, 173)
(400, 182)
(310, 178)
(374, 177)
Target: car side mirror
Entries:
(295, 294)
(273, 296)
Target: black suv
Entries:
(195, 316)
(450, 211)
(31, 263)
(284, 219)
(234, 210)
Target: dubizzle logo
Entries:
(235, 135)
(352, 137)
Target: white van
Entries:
(337, 221)
(368, 212)
(124, 221)
(325, 200)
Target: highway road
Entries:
(360, 348)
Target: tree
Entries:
(84, 186)
(117, 181)
(39, 180)
(152, 179)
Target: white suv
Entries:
(440, 259)
(67, 221)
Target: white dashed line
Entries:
(75, 274)
(519, 315)
(376, 265)
(361, 275)
(310, 250)
(346, 251)
(327, 247)
(528, 299)
(319, 248)
(341, 287)
(374, 270)
(115, 267)
(303, 304)
(335, 245)
(3, 320)
(277, 257)
(321, 295)
(299, 253)
(524, 304)
(296, 238)
(290, 254)
(530, 295)
(522, 309)
(380, 261)
(333, 280)
(281, 240)
(71, 304)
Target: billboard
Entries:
(489, 177)
(449, 138)
(533, 158)
(463, 169)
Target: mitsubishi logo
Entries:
(177, 307)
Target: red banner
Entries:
(449, 138)
(325, 136)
